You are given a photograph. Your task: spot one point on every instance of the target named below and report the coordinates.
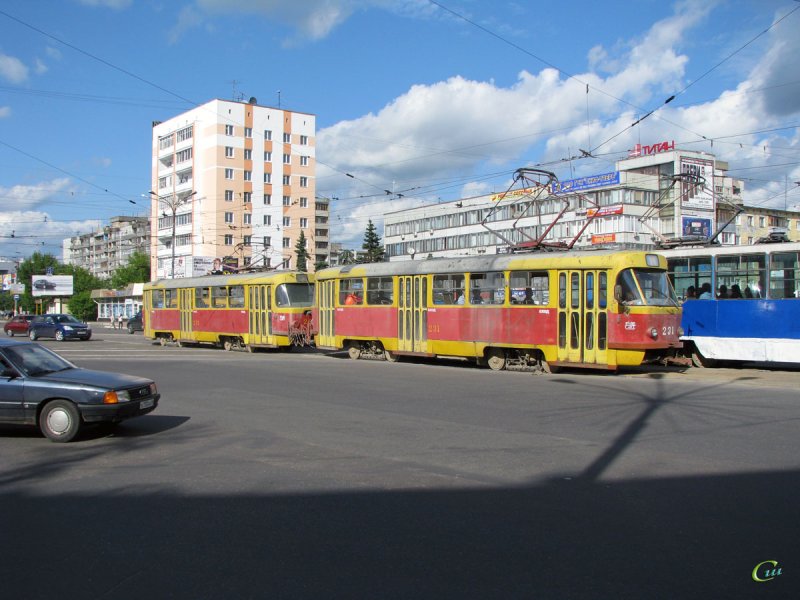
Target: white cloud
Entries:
(35, 231)
(113, 4)
(12, 69)
(5, 111)
(26, 197)
(40, 67)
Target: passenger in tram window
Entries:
(736, 291)
(528, 299)
(690, 293)
(722, 292)
(748, 293)
(476, 298)
(352, 299)
(705, 291)
(460, 299)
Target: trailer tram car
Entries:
(754, 313)
(241, 311)
(542, 311)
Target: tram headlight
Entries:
(654, 333)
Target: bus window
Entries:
(351, 291)
(379, 290)
(219, 297)
(201, 297)
(294, 294)
(447, 289)
(236, 296)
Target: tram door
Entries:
(412, 314)
(582, 316)
(186, 300)
(326, 304)
(260, 326)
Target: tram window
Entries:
(219, 297)
(562, 291)
(380, 290)
(294, 294)
(158, 299)
(529, 287)
(602, 295)
(601, 331)
(171, 298)
(575, 292)
(447, 289)
(562, 329)
(574, 336)
(589, 290)
(589, 335)
(487, 288)
(784, 275)
(236, 296)
(201, 297)
(351, 291)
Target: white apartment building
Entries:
(621, 204)
(234, 184)
(103, 251)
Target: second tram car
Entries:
(752, 309)
(597, 309)
(241, 311)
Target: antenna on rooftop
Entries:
(237, 96)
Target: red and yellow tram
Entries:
(248, 311)
(599, 309)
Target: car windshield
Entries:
(656, 289)
(66, 319)
(35, 360)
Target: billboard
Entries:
(697, 195)
(696, 226)
(51, 285)
(586, 183)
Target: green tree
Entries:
(38, 264)
(301, 253)
(321, 265)
(346, 257)
(82, 306)
(136, 271)
(372, 244)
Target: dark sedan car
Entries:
(39, 387)
(44, 284)
(135, 323)
(61, 327)
(18, 325)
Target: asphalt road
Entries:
(302, 475)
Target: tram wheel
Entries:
(700, 361)
(228, 345)
(162, 341)
(496, 359)
(354, 351)
(391, 357)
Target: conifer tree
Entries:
(301, 253)
(372, 244)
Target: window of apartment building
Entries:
(287, 243)
(184, 155)
(228, 173)
(228, 152)
(248, 176)
(247, 239)
(303, 222)
(303, 182)
(286, 180)
(750, 220)
(267, 156)
(248, 154)
(248, 219)
(287, 138)
(303, 161)
(267, 177)
(183, 219)
(267, 241)
(303, 202)
(185, 176)
(228, 129)
(267, 135)
(287, 200)
(185, 134)
(248, 132)
(183, 240)
(760, 221)
(164, 182)
(229, 217)
(304, 140)
(228, 195)
(267, 220)
(228, 239)
(165, 142)
(287, 159)
(287, 221)
(267, 198)
(248, 197)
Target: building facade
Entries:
(103, 251)
(234, 186)
(649, 198)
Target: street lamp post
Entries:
(173, 202)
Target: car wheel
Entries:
(33, 336)
(130, 329)
(59, 336)
(9, 333)
(60, 421)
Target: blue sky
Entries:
(432, 100)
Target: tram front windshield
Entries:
(650, 287)
(294, 294)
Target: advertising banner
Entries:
(585, 183)
(604, 238)
(698, 195)
(51, 285)
(696, 226)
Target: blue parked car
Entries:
(61, 327)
